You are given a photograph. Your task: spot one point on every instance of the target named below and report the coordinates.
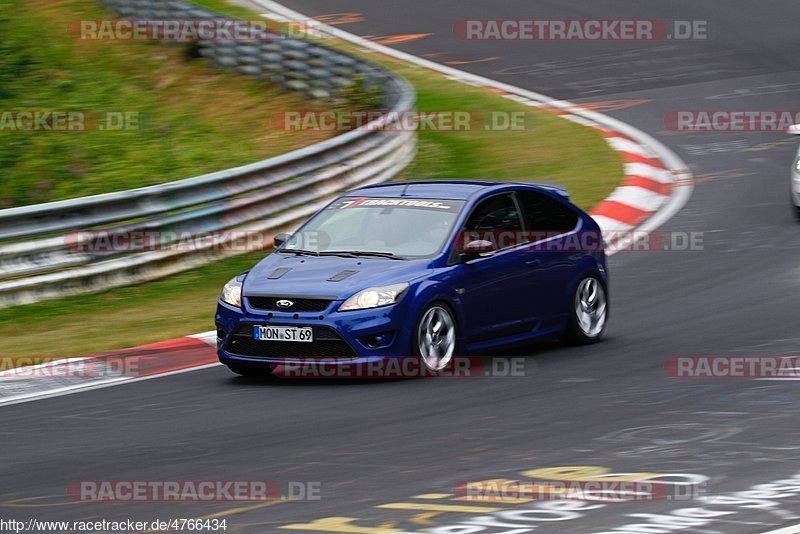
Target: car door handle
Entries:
(534, 264)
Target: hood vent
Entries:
(341, 275)
(277, 273)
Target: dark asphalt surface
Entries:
(609, 405)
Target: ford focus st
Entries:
(422, 271)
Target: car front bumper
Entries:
(342, 339)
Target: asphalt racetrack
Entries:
(376, 447)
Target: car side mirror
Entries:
(794, 129)
(476, 249)
(280, 239)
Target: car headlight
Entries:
(232, 292)
(797, 166)
(374, 297)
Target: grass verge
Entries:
(189, 118)
(550, 149)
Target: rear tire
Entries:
(796, 210)
(588, 312)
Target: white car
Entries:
(795, 130)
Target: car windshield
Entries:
(378, 227)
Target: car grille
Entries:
(327, 344)
(300, 305)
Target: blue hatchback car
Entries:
(424, 270)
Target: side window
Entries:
(546, 215)
(497, 220)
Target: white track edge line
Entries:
(794, 529)
(103, 385)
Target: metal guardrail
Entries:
(41, 256)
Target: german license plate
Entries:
(283, 333)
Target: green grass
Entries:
(191, 118)
(551, 149)
(225, 8)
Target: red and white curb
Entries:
(72, 375)
(657, 184)
(645, 189)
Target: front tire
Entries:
(436, 337)
(588, 313)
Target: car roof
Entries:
(448, 189)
